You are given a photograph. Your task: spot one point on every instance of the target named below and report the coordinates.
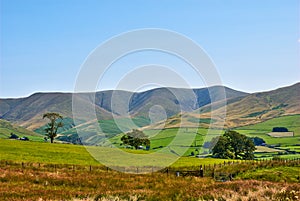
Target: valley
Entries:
(184, 137)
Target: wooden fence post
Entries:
(201, 171)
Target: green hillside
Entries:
(6, 128)
(291, 122)
(244, 110)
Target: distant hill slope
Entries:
(259, 107)
(291, 122)
(27, 112)
(245, 110)
(6, 128)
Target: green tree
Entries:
(55, 123)
(280, 129)
(234, 145)
(257, 141)
(135, 138)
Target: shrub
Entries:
(13, 136)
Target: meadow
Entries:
(42, 152)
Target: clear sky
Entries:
(254, 44)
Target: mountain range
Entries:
(27, 112)
(187, 106)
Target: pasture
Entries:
(41, 152)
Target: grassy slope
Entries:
(291, 122)
(6, 128)
(21, 151)
(44, 152)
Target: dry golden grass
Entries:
(29, 183)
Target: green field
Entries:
(23, 151)
(41, 152)
(187, 138)
(291, 122)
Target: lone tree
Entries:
(135, 138)
(52, 127)
(234, 145)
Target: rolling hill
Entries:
(243, 110)
(27, 112)
(179, 107)
(6, 128)
(259, 107)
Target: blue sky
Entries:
(254, 44)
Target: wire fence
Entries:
(221, 171)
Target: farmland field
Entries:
(292, 122)
(14, 150)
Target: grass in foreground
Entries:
(65, 183)
(18, 183)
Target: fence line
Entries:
(219, 171)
